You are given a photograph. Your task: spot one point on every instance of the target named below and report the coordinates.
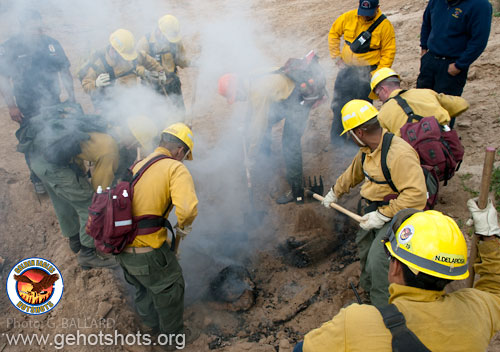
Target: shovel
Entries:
(489, 159)
(335, 206)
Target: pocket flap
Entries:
(138, 270)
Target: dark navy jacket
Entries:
(33, 64)
(456, 29)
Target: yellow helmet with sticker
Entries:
(379, 76)
(170, 28)
(357, 112)
(184, 133)
(432, 243)
(123, 42)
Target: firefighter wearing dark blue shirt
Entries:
(30, 66)
(454, 33)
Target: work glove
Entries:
(102, 80)
(16, 114)
(329, 198)
(162, 78)
(485, 220)
(180, 234)
(373, 220)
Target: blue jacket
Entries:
(457, 29)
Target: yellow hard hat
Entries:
(170, 28)
(357, 112)
(432, 243)
(124, 43)
(184, 133)
(144, 130)
(379, 76)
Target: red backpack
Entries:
(431, 178)
(437, 148)
(309, 78)
(111, 223)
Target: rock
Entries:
(464, 123)
(246, 346)
(233, 289)
(284, 346)
(103, 310)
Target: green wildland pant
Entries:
(374, 264)
(159, 287)
(70, 193)
(296, 116)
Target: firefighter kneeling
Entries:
(427, 250)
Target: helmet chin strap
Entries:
(357, 139)
(185, 156)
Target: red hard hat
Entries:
(227, 87)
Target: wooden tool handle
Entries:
(339, 208)
(489, 159)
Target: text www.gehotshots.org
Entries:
(59, 341)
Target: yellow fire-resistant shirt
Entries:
(406, 173)
(464, 320)
(102, 151)
(350, 25)
(170, 54)
(125, 72)
(166, 182)
(423, 102)
(264, 89)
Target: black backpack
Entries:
(309, 78)
(431, 179)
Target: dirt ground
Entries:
(290, 301)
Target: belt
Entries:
(138, 250)
(439, 57)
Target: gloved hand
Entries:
(102, 80)
(180, 234)
(373, 220)
(162, 78)
(16, 114)
(485, 220)
(329, 198)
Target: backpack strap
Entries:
(403, 339)
(406, 108)
(143, 169)
(386, 144)
(376, 23)
(160, 221)
(109, 70)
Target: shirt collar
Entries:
(395, 92)
(407, 293)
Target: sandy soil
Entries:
(290, 301)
